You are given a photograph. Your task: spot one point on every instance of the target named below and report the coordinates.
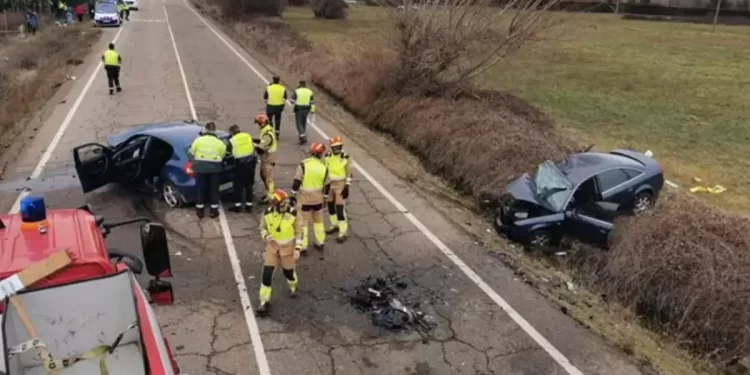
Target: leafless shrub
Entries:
(237, 9)
(443, 44)
(685, 267)
(329, 9)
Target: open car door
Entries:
(94, 165)
(98, 165)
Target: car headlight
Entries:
(521, 215)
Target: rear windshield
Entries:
(105, 8)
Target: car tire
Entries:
(642, 203)
(171, 196)
(540, 241)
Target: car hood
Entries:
(523, 189)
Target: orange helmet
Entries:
(336, 141)
(317, 148)
(261, 119)
(279, 196)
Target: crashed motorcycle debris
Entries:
(386, 301)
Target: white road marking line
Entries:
(239, 278)
(60, 131)
(473, 276)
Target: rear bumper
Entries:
(189, 191)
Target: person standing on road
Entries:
(112, 61)
(310, 179)
(124, 10)
(267, 145)
(303, 101)
(337, 189)
(278, 230)
(80, 11)
(32, 21)
(207, 152)
(275, 98)
(242, 149)
(92, 9)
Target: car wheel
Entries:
(540, 241)
(642, 203)
(171, 196)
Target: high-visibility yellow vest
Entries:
(337, 165)
(208, 148)
(279, 225)
(303, 96)
(242, 145)
(275, 94)
(315, 174)
(111, 58)
(268, 130)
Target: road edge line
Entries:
(52, 146)
(556, 355)
(239, 278)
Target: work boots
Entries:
(262, 309)
(302, 139)
(214, 213)
(200, 212)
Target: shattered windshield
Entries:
(551, 185)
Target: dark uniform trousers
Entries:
(113, 75)
(208, 187)
(274, 115)
(244, 179)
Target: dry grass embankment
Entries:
(32, 68)
(681, 268)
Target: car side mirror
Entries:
(133, 263)
(155, 250)
(571, 213)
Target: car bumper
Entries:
(189, 191)
(510, 232)
(107, 23)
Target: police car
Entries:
(105, 14)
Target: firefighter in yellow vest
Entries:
(207, 152)
(277, 228)
(275, 98)
(267, 145)
(303, 102)
(112, 61)
(309, 180)
(242, 150)
(337, 189)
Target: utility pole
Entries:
(716, 15)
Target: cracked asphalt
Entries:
(317, 333)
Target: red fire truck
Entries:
(95, 299)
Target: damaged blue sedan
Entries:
(578, 197)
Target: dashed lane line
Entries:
(239, 278)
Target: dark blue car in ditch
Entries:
(578, 197)
(151, 158)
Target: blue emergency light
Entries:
(33, 209)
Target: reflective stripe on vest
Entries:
(209, 148)
(315, 174)
(303, 96)
(336, 167)
(275, 94)
(111, 58)
(268, 130)
(242, 145)
(280, 225)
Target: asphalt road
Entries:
(488, 323)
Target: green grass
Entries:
(679, 90)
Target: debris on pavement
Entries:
(389, 306)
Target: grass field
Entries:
(679, 90)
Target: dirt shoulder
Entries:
(32, 70)
(551, 277)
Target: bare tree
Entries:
(444, 44)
